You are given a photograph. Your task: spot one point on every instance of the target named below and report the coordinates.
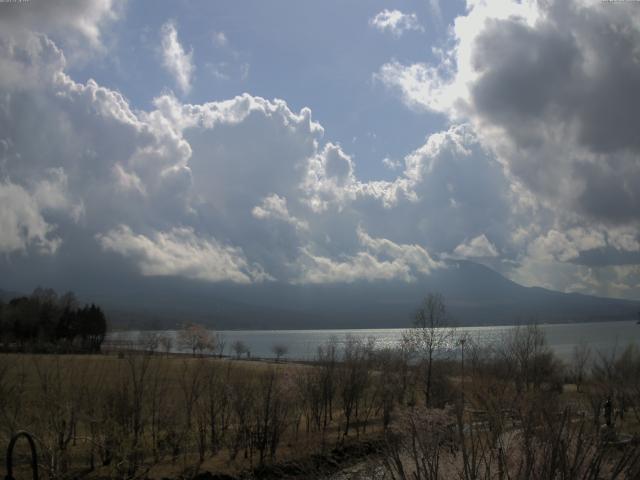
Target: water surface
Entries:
(604, 337)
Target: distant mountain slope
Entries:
(6, 295)
(474, 295)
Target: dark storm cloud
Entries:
(564, 89)
(603, 257)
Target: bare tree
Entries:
(430, 333)
(192, 386)
(159, 410)
(279, 350)
(239, 348)
(525, 350)
(216, 403)
(628, 367)
(196, 338)
(579, 360)
(221, 343)
(417, 447)
(149, 341)
(166, 342)
(59, 401)
(388, 383)
(242, 395)
(309, 387)
(354, 378)
(327, 364)
(270, 414)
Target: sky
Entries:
(320, 142)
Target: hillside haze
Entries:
(474, 295)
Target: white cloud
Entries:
(175, 59)
(183, 253)
(362, 266)
(554, 245)
(219, 39)
(395, 22)
(275, 207)
(391, 164)
(128, 181)
(178, 169)
(414, 256)
(587, 238)
(443, 86)
(420, 85)
(624, 238)
(64, 18)
(26, 63)
(381, 259)
(22, 223)
(478, 247)
(330, 179)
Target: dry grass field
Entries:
(158, 416)
(513, 411)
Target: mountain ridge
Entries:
(474, 295)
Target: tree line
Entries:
(45, 321)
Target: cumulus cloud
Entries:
(391, 164)
(26, 62)
(556, 104)
(547, 88)
(181, 252)
(248, 190)
(178, 190)
(421, 86)
(142, 183)
(395, 22)
(381, 259)
(22, 223)
(414, 256)
(175, 59)
(624, 238)
(275, 207)
(553, 245)
(477, 247)
(83, 17)
(178, 180)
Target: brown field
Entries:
(512, 412)
(156, 415)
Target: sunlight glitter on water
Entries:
(603, 337)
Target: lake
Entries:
(602, 337)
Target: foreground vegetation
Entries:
(507, 412)
(436, 406)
